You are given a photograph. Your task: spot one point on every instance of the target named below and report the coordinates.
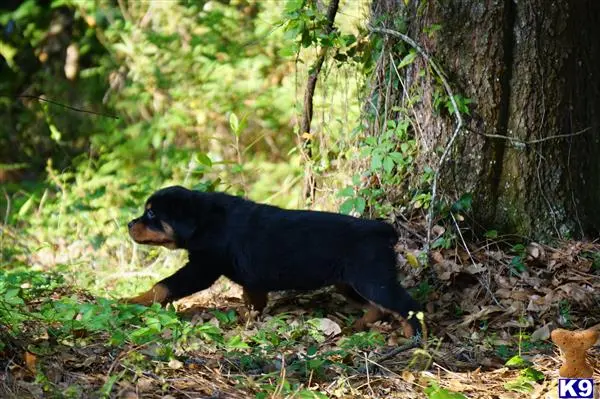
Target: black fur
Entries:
(265, 248)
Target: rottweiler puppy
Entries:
(265, 248)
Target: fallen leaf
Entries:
(31, 361)
(541, 334)
(175, 364)
(535, 252)
(437, 230)
(412, 259)
(327, 326)
(437, 257)
(408, 376)
(475, 268)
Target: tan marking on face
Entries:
(148, 205)
(169, 233)
(157, 294)
(144, 235)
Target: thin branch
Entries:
(67, 106)
(311, 85)
(316, 69)
(459, 121)
(536, 141)
(6, 216)
(415, 124)
(412, 343)
(466, 247)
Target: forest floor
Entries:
(490, 313)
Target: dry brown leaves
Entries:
(480, 301)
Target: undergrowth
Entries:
(42, 319)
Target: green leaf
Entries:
(108, 385)
(388, 164)
(157, 140)
(376, 162)
(26, 206)
(359, 204)
(204, 159)
(12, 297)
(491, 234)
(289, 50)
(463, 204)
(434, 391)
(293, 5)
(236, 343)
(519, 385)
(346, 192)
(518, 248)
(294, 29)
(516, 361)
(8, 52)
(307, 394)
(517, 264)
(234, 123)
(117, 338)
(408, 59)
(347, 206)
(54, 133)
(348, 40)
(532, 374)
(397, 157)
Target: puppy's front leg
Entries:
(159, 293)
(188, 280)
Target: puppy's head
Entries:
(167, 219)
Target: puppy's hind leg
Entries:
(389, 295)
(255, 299)
(372, 314)
(350, 294)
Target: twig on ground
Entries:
(411, 231)
(481, 282)
(409, 345)
(368, 374)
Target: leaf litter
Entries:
(486, 304)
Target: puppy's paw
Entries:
(157, 294)
(247, 316)
(359, 325)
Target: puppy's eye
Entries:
(150, 214)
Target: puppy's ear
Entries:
(207, 218)
(186, 229)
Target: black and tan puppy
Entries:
(264, 248)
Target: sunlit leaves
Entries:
(408, 59)
(293, 5)
(434, 391)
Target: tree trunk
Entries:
(531, 69)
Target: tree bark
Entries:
(527, 154)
